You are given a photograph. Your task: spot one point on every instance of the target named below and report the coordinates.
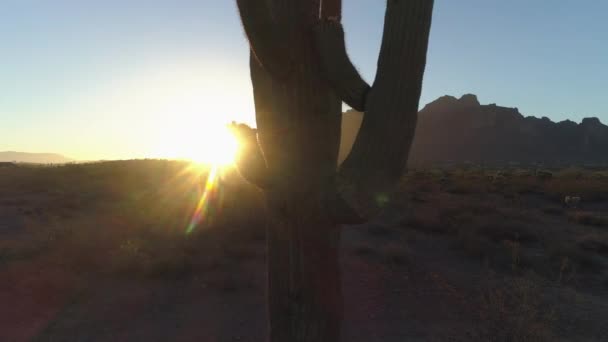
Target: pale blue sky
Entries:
(112, 79)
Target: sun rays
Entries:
(210, 201)
(208, 146)
(214, 157)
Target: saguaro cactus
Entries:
(301, 73)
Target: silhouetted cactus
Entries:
(301, 73)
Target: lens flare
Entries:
(210, 202)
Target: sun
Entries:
(215, 146)
(207, 144)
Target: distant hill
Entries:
(452, 130)
(39, 158)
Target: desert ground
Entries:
(100, 252)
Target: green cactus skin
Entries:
(301, 73)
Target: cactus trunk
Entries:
(304, 288)
(298, 121)
(300, 74)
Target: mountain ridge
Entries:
(461, 130)
(37, 158)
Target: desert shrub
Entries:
(378, 230)
(553, 210)
(364, 251)
(397, 255)
(597, 243)
(522, 173)
(419, 174)
(466, 186)
(589, 218)
(512, 231)
(413, 183)
(544, 175)
(570, 173)
(502, 255)
(468, 208)
(590, 190)
(427, 223)
(417, 197)
(558, 251)
(513, 311)
(474, 245)
(522, 185)
(600, 175)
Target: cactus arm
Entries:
(336, 65)
(404, 47)
(250, 162)
(252, 166)
(263, 35)
(381, 150)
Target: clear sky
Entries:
(118, 79)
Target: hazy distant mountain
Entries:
(39, 158)
(463, 130)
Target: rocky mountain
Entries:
(452, 130)
(38, 158)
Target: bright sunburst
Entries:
(217, 147)
(211, 144)
(211, 149)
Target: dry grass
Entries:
(130, 219)
(514, 220)
(513, 311)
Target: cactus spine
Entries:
(301, 73)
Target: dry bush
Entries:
(427, 222)
(396, 254)
(589, 189)
(588, 218)
(498, 230)
(513, 311)
(467, 186)
(523, 184)
(570, 173)
(594, 242)
(553, 210)
(364, 251)
(380, 231)
(474, 245)
(467, 206)
(560, 250)
(416, 184)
